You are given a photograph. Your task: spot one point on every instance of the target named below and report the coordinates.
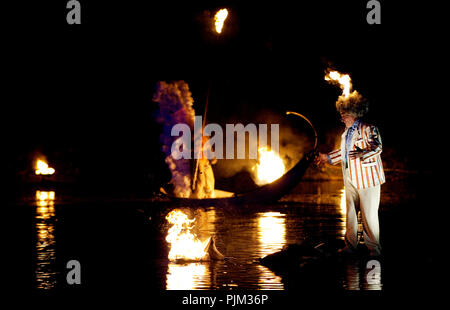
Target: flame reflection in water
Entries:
(271, 232)
(343, 210)
(45, 244)
(186, 276)
(271, 238)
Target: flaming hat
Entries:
(354, 104)
(349, 102)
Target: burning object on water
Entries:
(42, 168)
(184, 244)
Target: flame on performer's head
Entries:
(344, 80)
(270, 166)
(219, 19)
(350, 101)
(184, 244)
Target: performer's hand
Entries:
(321, 159)
(355, 154)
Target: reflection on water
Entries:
(186, 276)
(271, 232)
(343, 208)
(362, 277)
(45, 244)
(243, 234)
(272, 237)
(269, 228)
(372, 275)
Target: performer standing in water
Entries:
(362, 171)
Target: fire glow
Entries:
(184, 244)
(42, 168)
(344, 81)
(219, 19)
(270, 166)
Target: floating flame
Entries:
(270, 166)
(219, 19)
(43, 168)
(184, 245)
(344, 81)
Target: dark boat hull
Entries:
(265, 194)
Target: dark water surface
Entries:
(121, 244)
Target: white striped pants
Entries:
(367, 201)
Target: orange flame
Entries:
(184, 245)
(270, 166)
(43, 168)
(219, 19)
(344, 81)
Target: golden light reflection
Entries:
(42, 168)
(186, 276)
(270, 166)
(268, 280)
(219, 19)
(45, 244)
(271, 232)
(271, 238)
(343, 210)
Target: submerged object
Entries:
(212, 251)
(299, 255)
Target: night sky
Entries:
(81, 94)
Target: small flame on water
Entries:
(219, 19)
(43, 168)
(344, 81)
(270, 166)
(184, 244)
